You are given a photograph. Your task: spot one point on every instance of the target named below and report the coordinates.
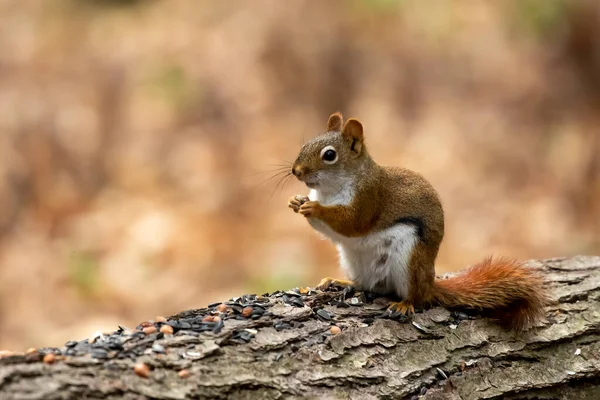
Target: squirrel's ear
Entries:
(335, 122)
(353, 131)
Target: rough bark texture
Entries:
(287, 351)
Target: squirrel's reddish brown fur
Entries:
(511, 292)
(506, 290)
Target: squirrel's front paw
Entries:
(296, 201)
(310, 209)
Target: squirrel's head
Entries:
(332, 157)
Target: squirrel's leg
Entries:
(421, 280)
(328, 282)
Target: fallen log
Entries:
(335, 344)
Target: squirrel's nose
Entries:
(297, 171)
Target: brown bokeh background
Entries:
(137, 139)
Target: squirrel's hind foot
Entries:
(402, 307)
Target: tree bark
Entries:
(283, 346)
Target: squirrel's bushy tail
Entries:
(505, 289)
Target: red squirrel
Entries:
(388, 223)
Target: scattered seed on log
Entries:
(184, 374)
(166, 329)
(258, 309)
(99, 353)
(149, 330)
(49, 358)
(297, 302)
(280, 326)
(222, 308)
(324, 315)
(141, 370)
(218, 326)
(247, 311)
(237, 308)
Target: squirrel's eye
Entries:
(329, 155)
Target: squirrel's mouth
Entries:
(311, 185)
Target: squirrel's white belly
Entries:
(379, 261)
(376, 262)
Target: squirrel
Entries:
(387, 224)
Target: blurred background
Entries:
(137, 139)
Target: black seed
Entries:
(114, 345)
(282, 326)
(321, 339)
(461, 316)
(278, 357)
(297, 302)
(285, 298)
(237, 308)
(415, 397)
(423, 391)
(71, 343)
(219, 325)
(368, 321)
(245, 336)
(254, 317)
(99, 353)
(293, 293)
(213, 305)
(343, 304)
(294, 347)
(441, 373)
(258, 310)
(324, 315)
